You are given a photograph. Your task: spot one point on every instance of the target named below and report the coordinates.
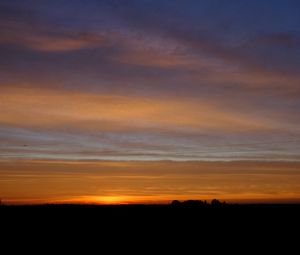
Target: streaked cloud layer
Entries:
(145, 80)
(147, 182)
(36, 122)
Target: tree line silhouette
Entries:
(198, 203)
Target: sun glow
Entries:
(110, 199)
(121, 200)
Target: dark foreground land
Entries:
(249, 226)
(172, 214)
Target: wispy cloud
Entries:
(46, 38)
(50, 108)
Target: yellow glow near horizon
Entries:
(107, 199)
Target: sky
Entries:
(133, 101)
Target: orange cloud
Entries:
(63, 43)
(49, 108)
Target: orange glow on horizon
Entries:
(105, 182)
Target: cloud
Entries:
(142, 182)
(280, 39)
(234, 46)
(149, 74)
(43, 123)
(33, 107)
(47, 38)
(125, 50)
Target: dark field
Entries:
(193, 214)
(173, 227)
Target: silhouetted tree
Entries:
(216, 202)
(175, 203)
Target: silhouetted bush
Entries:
(193, 203)
(216, 202)
(198, 203)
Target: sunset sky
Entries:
(146, 101)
